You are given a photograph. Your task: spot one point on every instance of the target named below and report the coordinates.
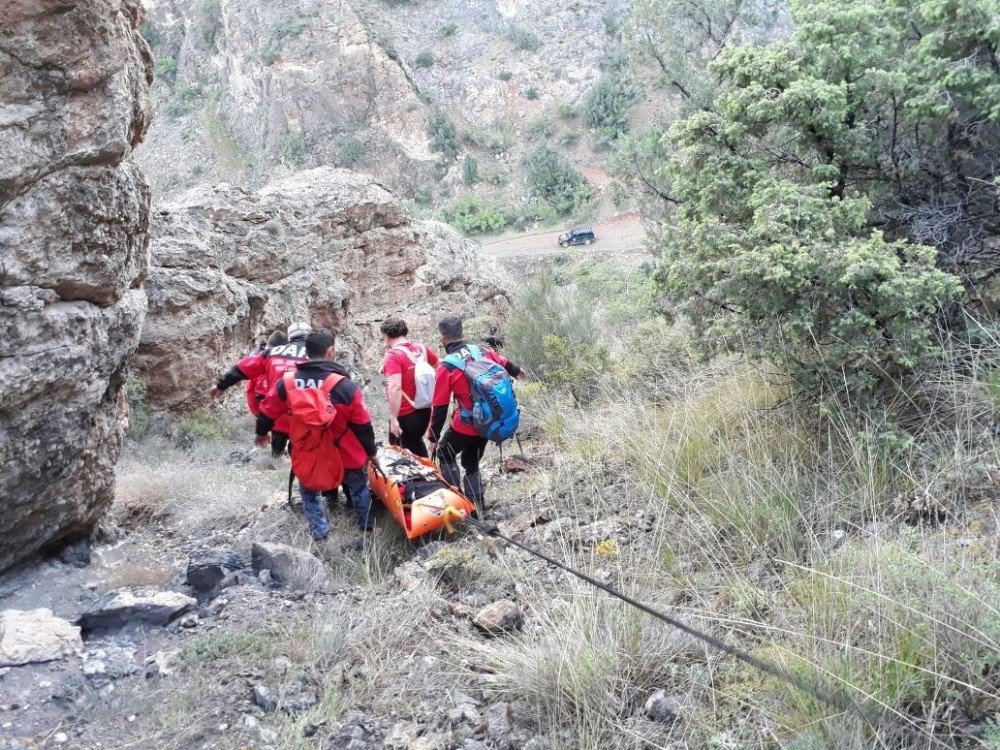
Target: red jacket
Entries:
(397, 362)
(265, 368)
(452, 384)
(357, 443)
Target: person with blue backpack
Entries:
(479, 382)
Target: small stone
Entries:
(36, 635)
(264, 577)
(189, 621)
(207, 568)
(500, 617)
(60, 738)
(524, 521)
(498, 725)
(662, 707)
(302, 702)
(263, 696)
(93, 664)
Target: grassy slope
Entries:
(868, 567)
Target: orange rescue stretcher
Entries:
(415, 493)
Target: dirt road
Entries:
(621, 232)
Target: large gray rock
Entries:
(124, 607)
(74, 80)
(295, 567)
(32, 636)
(326, 245)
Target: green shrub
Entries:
(801, 234)
(531, 93)
(182, 101)
(505, 75)
(498, 137)
(551, 333)
(444, 137)
(553, 178)
(278, 32)
(568, 138)
(424, 60)
(606, 106)
(350, 151)
(208, 19)
(566, 111)
(470, 171)
(612, 23)
(615, 61)
(541, 128)
(534, 211)
(448, 30)
(494, 174)
(385, 42)
(151, 34)
(523, 39)
(471, 215)
(291, 150)
(166, 69)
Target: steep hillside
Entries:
(247, 91)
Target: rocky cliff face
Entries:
(325, 245)
(250, 90)
(74, 79)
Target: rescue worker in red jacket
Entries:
(408, 421)
(357, 446)
(256, 388)
(461, 441)
(270, 366)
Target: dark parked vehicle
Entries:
(577, 236)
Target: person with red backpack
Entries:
(470, 430)
(330, 430)
(256, 388)
(409, 388)
(267, 367)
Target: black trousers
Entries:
(468, 449)
(413, 426)
(279, 441)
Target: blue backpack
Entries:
(495, 413)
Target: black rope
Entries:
(836, 699)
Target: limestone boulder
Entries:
(74, 80)
(36, 635)
(326, 245)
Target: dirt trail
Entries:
(623, 231)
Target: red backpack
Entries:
(315, 457)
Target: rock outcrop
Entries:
(248, 89)
(74, 81)
(326, 245)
